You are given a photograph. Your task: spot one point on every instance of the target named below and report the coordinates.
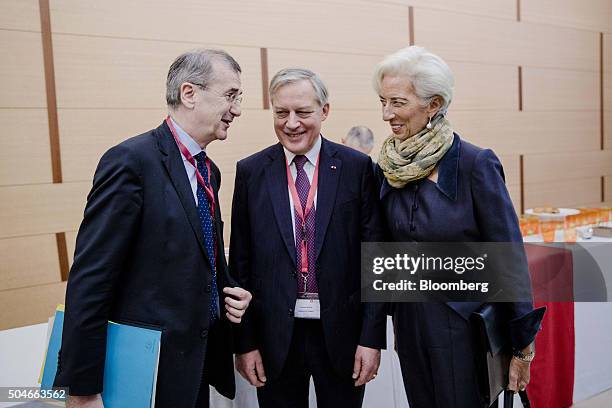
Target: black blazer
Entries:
(140, 259)
(262, 254)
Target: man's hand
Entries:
(251, 368)
(366, 365)
(88, 401)
(237, 303)
(519, 373)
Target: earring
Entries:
(429, 126)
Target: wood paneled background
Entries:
(533, 82)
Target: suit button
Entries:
(204, 334)
(291, 311)
(208, 288)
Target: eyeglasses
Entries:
(233, 98)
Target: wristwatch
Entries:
(526, 357)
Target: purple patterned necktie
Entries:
(208, 230)
(302, 185)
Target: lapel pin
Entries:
(333, 167)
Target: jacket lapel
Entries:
(276, 180)
(329, 174)
(173, 162)
(448, 170)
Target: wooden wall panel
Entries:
(87, 133)
(70, 245)
(118, 73)
(28, 261)
(563, 192)
(24, 147)
(315, 25)
(26, 306)
(594, 15)
(348, 77)
(607, 90)
(20, 15)
(557, 47)
(41, 208)
(492, 41)
(22, 77)
(533, 132)
(225, 197)
(559, 90)
(339, 123)
(503, 9)
(608, 190)
(515, 195)
(483, 87)
(512, 168)
(541, 168)
(512, 173)
(473, 38)
(249, 133)
(607, 123)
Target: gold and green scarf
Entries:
(403, 161)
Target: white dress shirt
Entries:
(193, 149)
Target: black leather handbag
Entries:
(493, 352)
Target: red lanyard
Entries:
(208, 188)
(300, 211)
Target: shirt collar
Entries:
(311, 155)
(186, 140)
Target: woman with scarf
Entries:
(439, 188)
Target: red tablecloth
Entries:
(552, 371)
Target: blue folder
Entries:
(130, 370)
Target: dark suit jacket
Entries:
(262, 254)
(140, 259)
(469, 203)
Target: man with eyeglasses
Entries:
(149, 251)
(300, 211)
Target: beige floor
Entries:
(603, 400)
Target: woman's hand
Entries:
(519, 374)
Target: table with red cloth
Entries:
(572, 350)
(552, 373)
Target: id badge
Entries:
(307, 306)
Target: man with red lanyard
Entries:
(149, 251)
(300, 211)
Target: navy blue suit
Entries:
(469, 203)
(140, 259)
(262, 256)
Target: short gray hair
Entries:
(428, 73)
(195, 67)
(361, 135)
(291, 75)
